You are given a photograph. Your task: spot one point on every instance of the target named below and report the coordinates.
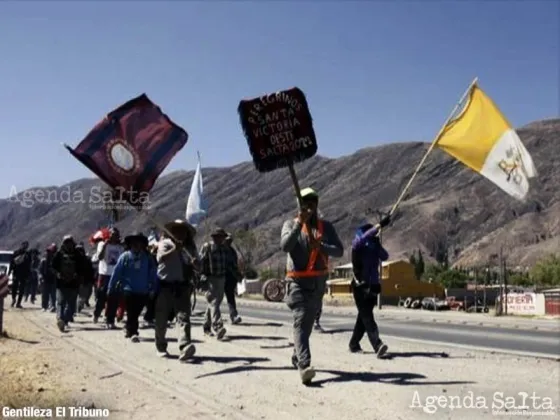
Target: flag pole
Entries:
(432, 146)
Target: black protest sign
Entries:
(278, 128)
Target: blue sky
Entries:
(373, 71)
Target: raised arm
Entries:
(332, 245)
(290, 235)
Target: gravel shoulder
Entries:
(250, 377)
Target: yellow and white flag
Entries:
(482, 139)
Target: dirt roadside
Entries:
(249, 376)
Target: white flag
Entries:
(197, 207)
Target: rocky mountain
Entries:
(449, 207)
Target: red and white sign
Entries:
(522, 303)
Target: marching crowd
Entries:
(133, 274)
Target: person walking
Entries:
(20, 268)
(134, 279)
(215, 260)
(309, 241)
(86, 285)
(367, 253)
(150, 314)
(48, 280)
(108, 252)
(33, 281)
(70, 267)
(176, 277)
(233, 276)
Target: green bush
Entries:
(547, 271)
(448, 278)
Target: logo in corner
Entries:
(122, 158)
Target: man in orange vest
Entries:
(309, 242)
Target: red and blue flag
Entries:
(131, 147)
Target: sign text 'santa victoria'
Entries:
(278, 128)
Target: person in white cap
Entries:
(309, 241)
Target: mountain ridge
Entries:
(449, 206)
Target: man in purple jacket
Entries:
(367, 253)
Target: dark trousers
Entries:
(101, 296)
(365, 298)
(134, 304)
(83, 295)
(150, 314)
(66, 298)
(173, 297)
(48, 295)
(113, 300)
(230, 288)
(18, 288)
(304, 300)
(31, 287)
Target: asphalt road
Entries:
(544, 343)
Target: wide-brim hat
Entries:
(219, 232)
(138, 236)
(181, 226)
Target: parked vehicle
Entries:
(434, 304)
(479, 307)
(5, 260)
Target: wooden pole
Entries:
(432, 146)
(2, 316)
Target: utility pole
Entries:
(379, 299)
(505, 287)
(476, 290)
(501, 267)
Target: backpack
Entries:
(21, 258)
(68, 268)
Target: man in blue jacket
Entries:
(367, 253)
(135, 277)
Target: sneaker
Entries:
(187, 353)
(356, 349)
(236, 320)
(95, 319)
(19, 306)
(318, 328)
(208, 332)
(162, 353)
(221, 333)
(61, 325)
(111, 326)
(307, 375)
(381, 350)
(53, 310)
(135, 339)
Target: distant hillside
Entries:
(448, 205)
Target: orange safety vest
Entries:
(315, 253)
